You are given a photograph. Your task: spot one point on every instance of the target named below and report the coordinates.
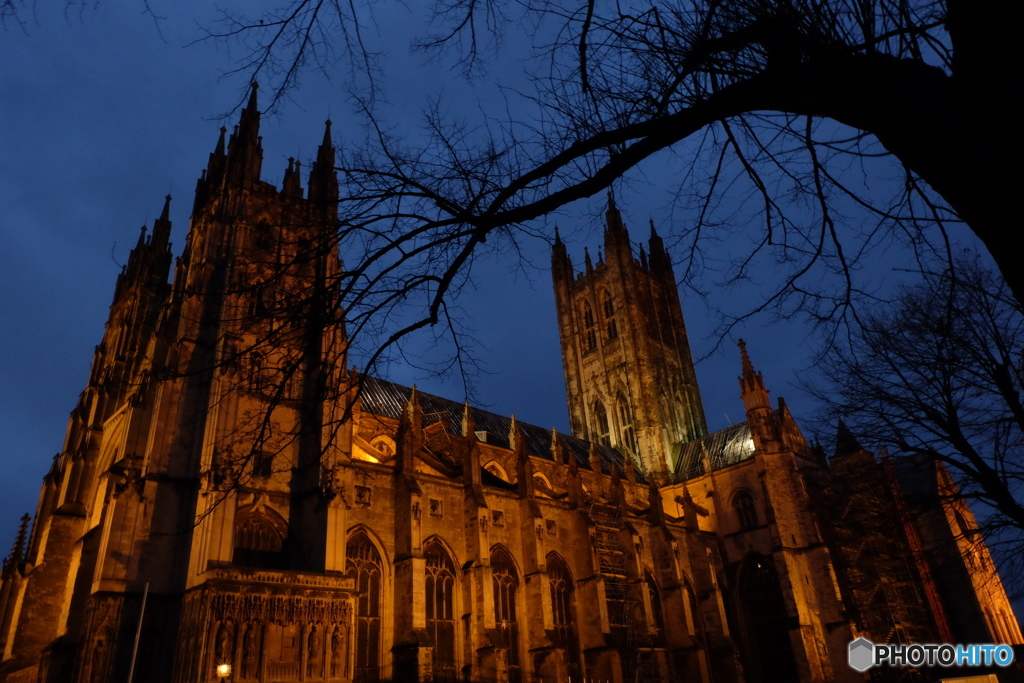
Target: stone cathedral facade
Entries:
(231, 492)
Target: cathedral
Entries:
(234, 501)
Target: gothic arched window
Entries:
(364, 566)
(440, 589)
(262, 236)
(694, 621)
(506, 589)
(626, 422)
(255, 378)
(601, 423)
(258, 303)
(589, 328)
(258, 542)
(655, 593)
(497, 470)
(385, 445)
(963, 527)
(611, 328)
(563, 612)
(743, 503)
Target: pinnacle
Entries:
(748, 367)
(251, 105)
(615, 230)
(162, 226)
(220, 141)
(327, 135)
(754, 392)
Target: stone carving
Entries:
(313, 653)
(362, 495)
(223, 648)
(98, 661)
(339, 651)
(250, 662)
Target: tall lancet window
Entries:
(745, 510)
(626, 422)
(611, 328)
(506, 589)
(440, 589)
(589, 328)
(601, 424)
(563, 612)
(364, 565)
(656, 614)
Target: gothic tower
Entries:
(628, 370)
(198, 445)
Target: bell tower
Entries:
(628, 369)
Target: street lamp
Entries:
(223, 671)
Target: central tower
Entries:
(628, 369)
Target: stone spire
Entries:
(764, 429)
(245, 150)
(468, 423)
(615, 234)
(561, 264)
(846, 442)
(162, 226)
(659, 260)
(755, 394)
(18, 549)
(414, 409)
(323, 180)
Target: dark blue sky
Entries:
(103, 114)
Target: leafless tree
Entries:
(770, 107)
(938, 375)
(11, 12)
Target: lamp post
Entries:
(223, 671)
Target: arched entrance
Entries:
(768, 651)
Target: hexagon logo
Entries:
(862, 654)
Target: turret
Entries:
(616, 237)
(763, 428)
(561, 264)
(292, 185)
(754, 392)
